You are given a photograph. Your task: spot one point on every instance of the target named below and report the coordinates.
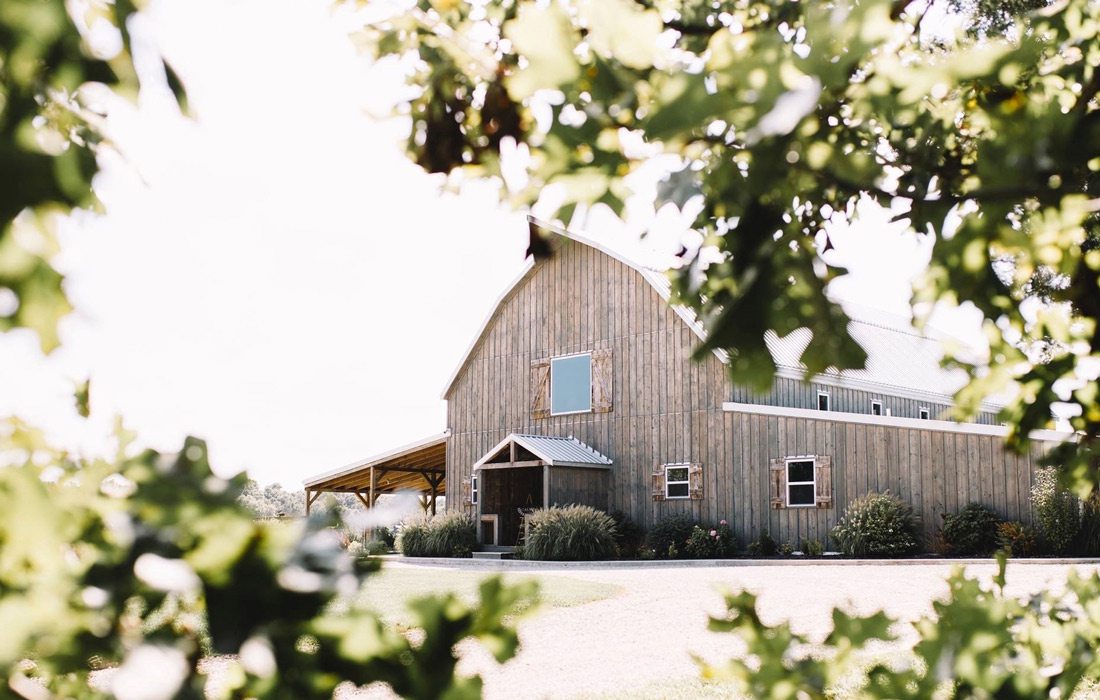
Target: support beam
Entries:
(311, 497)
(359, 495)
(546, 486)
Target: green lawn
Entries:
(388, 591)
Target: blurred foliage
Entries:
(782, 116)
(144, 563)
(977, 643)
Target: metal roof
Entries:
(417, 458)
(554, 451)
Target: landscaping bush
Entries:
(973, 530)
(1016, 538)
(1088, 538)
(629, 535)
(878, 524)
(1057, 511)
(669, 536)
(449, 535)
(813, 548)
(763, 547)
(711, 543)
(570, 533)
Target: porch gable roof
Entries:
(549, 450)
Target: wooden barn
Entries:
(580, 388)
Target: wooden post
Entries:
(432, 493)
(308, 503)
(310, 498)
(546, 486)
(370, 504)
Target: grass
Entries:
(687, 688)
(388, 591)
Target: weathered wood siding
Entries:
(794, 393)
(668, 409)
(665, 407)
(937, 472)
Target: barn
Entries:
(580, 388)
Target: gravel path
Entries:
(648, 633)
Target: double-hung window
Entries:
(676, 481)
(801, 486)
(571, 384)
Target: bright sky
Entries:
(275, 276)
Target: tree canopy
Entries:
(782, 116)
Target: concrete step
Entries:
(501, 553)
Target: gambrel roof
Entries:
(901, 361)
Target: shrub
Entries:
(786, 549)
(570, 533)
(711, 543)
(629, 535)
(1088, 538)
(669, 536)
(973, 530)
(1057, 512)
(448, 535)
(813, 548)
(878, 524)
(763, 547)
(1016, 538)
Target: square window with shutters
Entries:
(571, 384)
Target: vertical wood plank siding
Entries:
(667, 408)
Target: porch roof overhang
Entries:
(518, 450)
(419, 466)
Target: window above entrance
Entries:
(571, 384)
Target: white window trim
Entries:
(686, 482)
(564, 357)
(812, 459)
(879, 404)
(473, 490)
(828, 401)
(923, 413)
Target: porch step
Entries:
(495, 553)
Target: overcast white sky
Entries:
(274, 275)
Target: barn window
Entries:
(801, 488)
(924, 413)
(571, 384)
(876, 408)
(473, 490)
(822, 401)
(676, 481)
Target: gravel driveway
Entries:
(646, 635)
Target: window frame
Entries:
(686, 481)
(473, 489)
(828, 401)
(923, 413)
(877, 404)
(551, 392)
(812, 459)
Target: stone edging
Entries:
(525, 565)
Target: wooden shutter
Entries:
(540, 389)
(601, 381)
(658, 483)
(695, 482)
(778, 477)
(823, 480)
(466, 499)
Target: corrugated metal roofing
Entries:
(898, 356)
(555, 451)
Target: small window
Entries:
(676, 481)
(876, 408)
(473, 490)
(924, 414)
(801, 488)
(822, 401)
(571, 384)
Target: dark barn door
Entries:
(504, 492)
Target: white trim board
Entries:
(943, 426)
